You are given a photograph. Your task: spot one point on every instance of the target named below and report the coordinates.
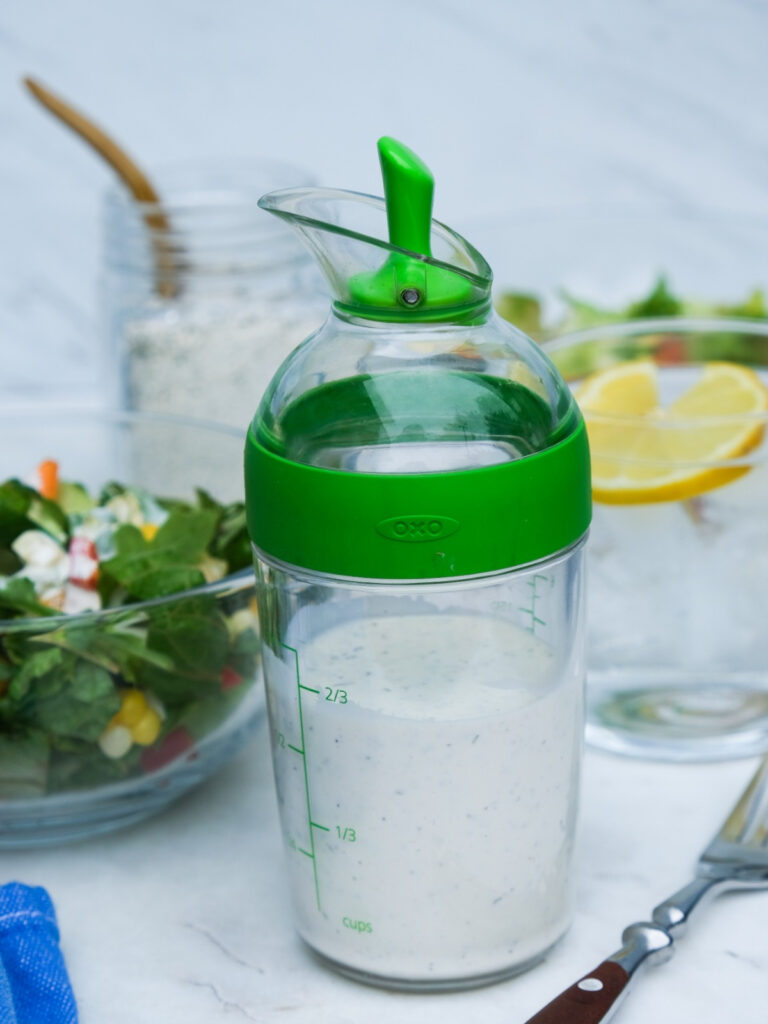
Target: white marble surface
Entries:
(185, 919)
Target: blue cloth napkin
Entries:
(34, 986)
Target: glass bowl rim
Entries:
(240, 580)
(671, 325)
(662, 325)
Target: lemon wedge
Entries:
(642, 452)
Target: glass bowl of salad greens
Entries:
(563, 269)
(129, 649)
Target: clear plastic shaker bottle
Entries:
(417, 480)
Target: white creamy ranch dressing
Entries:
(426, 768)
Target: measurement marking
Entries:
(305, 852)
(309, 689)
(535, 620)
(296, 749)
(303, 752)
(323, 827)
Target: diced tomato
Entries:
(176, 743)
(229, 678)
(83, 563)
(670, 351)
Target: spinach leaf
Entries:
(160, 582)
(78, 764)
(81, 708)
(33, 667)
(73, 499)
(139, 565)
(115, 647)
(185, 535)
(244, 655)
(18, 597)
(9, 562)
(659, 302)
(23, 765)
(15, 500)
(173, 688)
(193, 634)
(22, 508)
(231, 541)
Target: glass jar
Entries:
(677, 648)
(205, 296)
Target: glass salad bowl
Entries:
(567, 268)
(129, 652)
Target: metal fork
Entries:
(736, 858)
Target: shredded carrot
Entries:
(48, 474)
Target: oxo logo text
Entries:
(413, 529)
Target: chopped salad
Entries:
(527, 311)
(125, 678)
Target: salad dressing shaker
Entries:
(417, 480)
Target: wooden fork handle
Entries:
(590, 1000)
(595, 997)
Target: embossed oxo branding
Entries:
(417, 529)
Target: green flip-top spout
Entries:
(409, 188)
(406, 283)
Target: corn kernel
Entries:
(147, 729)
(115, 741)
(133, 705)
(241, 620)
(149, 530)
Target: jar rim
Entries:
(215, 228)
(217, 172)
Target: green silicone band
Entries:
(419, 526)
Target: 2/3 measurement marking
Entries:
(336, 696)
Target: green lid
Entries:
(418, 525)
(410, 440)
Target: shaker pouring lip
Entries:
(271, 202)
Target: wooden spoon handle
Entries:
(137, 182)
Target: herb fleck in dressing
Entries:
(426, 768)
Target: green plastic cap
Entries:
(386, 259)
(414, 435)
(405, 282)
